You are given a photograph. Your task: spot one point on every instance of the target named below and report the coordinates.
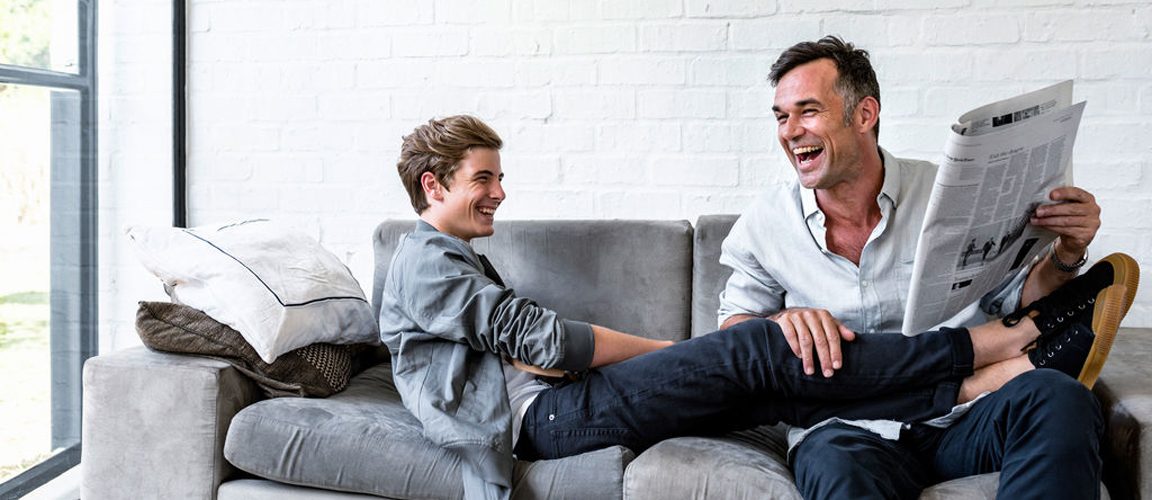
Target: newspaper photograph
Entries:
(1000, 162)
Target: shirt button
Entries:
(551, 417)
(864, 284)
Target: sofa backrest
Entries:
(631, 275)
(708, 276)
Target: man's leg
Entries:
(842, 461)
(1042, 430)
(740, 377)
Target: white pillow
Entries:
(276, 286)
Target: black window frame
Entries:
(74, 287)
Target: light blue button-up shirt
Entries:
(780, 259)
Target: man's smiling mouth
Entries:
(804, 154)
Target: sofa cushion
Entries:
(316, 370)
(978, 487)
(276, 286)
(262, 489)
(708, 276)
(631, 275)
(155, 424)
(1126, 398)
(748, 465)
(743, 465)
(751, 464)
(363, 440)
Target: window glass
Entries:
(25, 359)
(39, 34)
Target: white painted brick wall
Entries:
(135, 145)
(609, 109)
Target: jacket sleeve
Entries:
(448, 296)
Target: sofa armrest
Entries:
(1126, 400)
(154, 424)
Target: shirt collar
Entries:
(890, 188)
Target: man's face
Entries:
(823, 149)
(467, 206)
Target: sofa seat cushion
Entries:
(748, 465)
(263, 489)
(978, 487)
(742, 465)
(363, 440)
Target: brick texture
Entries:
(609, 109)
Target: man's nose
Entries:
(790, 129)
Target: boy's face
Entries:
(465, 209)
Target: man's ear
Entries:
(867, 114)
(432, 188)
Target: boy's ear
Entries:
(432, 188)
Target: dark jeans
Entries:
(1042, 432)
(740, 378)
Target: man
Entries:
(831, 256)
(464, 346)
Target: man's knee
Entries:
(842, 461)
(1054, 387)
(831, 447)
(1053, 395)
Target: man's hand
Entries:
(814, 329)
(1075, 218)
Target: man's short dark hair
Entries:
(437, 147)
(856, 80)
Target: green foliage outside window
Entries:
(25, 32)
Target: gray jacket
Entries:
(448, 323)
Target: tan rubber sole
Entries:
(1112, 303)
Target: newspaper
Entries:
(1000, 163)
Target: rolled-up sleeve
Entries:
(750, 289)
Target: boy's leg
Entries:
(693, 387)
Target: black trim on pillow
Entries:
(273, 292)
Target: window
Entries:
(48, 226)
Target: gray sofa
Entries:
(167, 426)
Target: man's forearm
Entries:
(736, 319)
(1043, 279)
